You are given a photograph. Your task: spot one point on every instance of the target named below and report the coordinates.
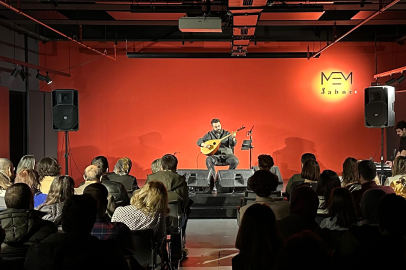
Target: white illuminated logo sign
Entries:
(336, 83)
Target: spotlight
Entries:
(15, 72)
(401, 78)
(22, 75)
(46, 78)
(390, 81)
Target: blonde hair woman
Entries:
(398, 170)
(26, 162)
(148, 210)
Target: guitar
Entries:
(215, 144)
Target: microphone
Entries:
(250, 131)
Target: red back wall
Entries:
(145, 108)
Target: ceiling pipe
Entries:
(54, 30)
(22, 30)
(356, 27)
(28, 65)
(390, 72)
(216, 55)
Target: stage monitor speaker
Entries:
(233, 179)
(379, 106)
(65, 110)
(196, 178)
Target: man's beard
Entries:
(218, 131)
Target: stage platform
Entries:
(220, 205)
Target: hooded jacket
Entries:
(23, 228)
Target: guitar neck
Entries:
(225, 137)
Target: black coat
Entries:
(129, 181)
(23, 228)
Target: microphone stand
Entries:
(249, 133)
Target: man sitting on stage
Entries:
(225, 154)
(401, 131)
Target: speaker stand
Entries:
(66, 154)
(382, 151)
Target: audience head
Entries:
(307, 156)
(100, 193)
(79, 214)
(156, 165)
(401, 128)
(263, 183)
(304, 201)
(399, 166)
(151, 198)
(62, 188)
(303, 246)
(123, 166)
(328, 181)
(7, 168)
(26, 162)
(265, 162)
(101, 162)
(311, 170)
(257, 238)
(19, 196)
(92, 173)
(48, 166)
(169, 163)
(342, 207)
(370, 204)
(350, 171)
(392, 220)
(29, 177)
(366, 171)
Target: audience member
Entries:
(23, 225)
(388, 250)
(156, 165)
(328, 181)
(121, 174)
(27, 162)
(31, 178)
(48, 168)
(171, 180)
(76, 248)
(350, 178)
(367, 174)
(398, 170)
(116, 189)
(6, 177)
(148, 210)
(62, 188)
(341, 211)
(297, 177)
(399, 186)
(93, 174)
(103, 228)
(369, 228)
(265, 162)
(257, 240)
(305, 250)
(310, 174)
(303, 210)
(263, 183)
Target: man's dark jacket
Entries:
(117, 190)
(23, 228)
(129, 181)
(173, 182)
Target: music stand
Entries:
(247, 144)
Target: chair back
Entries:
(145, 249)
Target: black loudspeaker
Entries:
(196, 178)
(235, 180)
(65, 110)
(379, 106)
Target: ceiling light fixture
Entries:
(401, 78)
(22, 74)
(15, 72)
(390, 81)
(46, 78)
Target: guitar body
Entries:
(214, 146)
